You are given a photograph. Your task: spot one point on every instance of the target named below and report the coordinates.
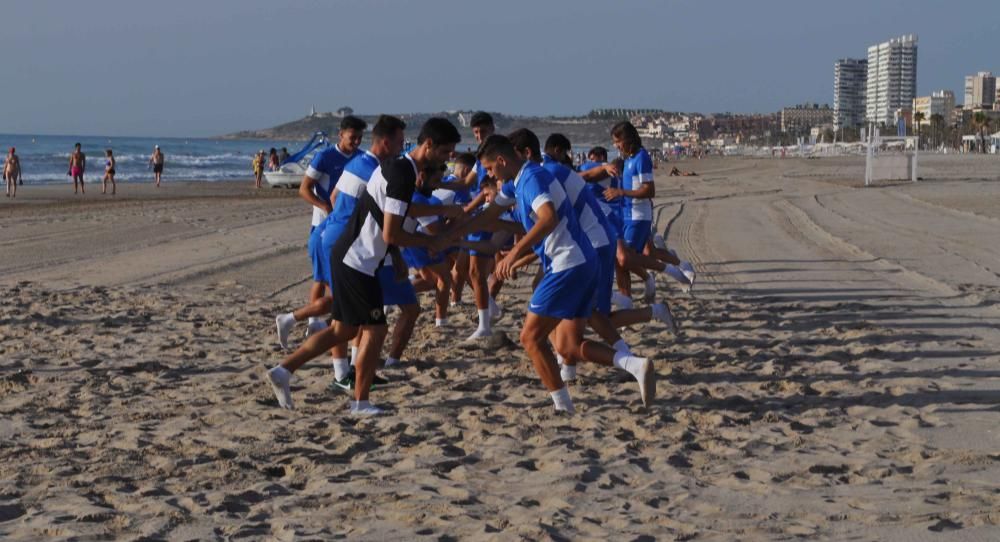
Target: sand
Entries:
(836, 377)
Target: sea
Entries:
(45, 158)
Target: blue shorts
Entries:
(616, 224)
(479, 236)
(395, 293)
(606, 278)
(419, 258)
(637, 234)
(320, 265)
(566, 295)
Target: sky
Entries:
(210, 67)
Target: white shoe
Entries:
(677, 274)
(315, 327)
(621, 300)
(279, 378)
(646, 376)
(364, 408)
(650, 293)
(480, 333)
(390, 362)
(659, 242)
(440, 322)
(284, 324)
(661, 313)
(689, 272)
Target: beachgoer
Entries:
(564, 298)
(156, 161)
(109, 173)
(272, 160)
(258, 168)
(283, 156)
(374, 227)
(461, 195)
(77, 166)
(12, 173)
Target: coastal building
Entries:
(892, 78)
(941, 103)
(802, 118)
(980, 91)
(849, 78)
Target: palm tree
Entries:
(937, 122)
(979, 122)
(918, 117)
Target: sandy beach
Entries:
(836, 376)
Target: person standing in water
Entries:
(156, 160)
(12, 173)
(77, 165)
(109, 173)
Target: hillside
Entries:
(582, 131)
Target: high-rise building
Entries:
(980, 91)
(892, 78)
(849, 76)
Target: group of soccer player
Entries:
(388, 225)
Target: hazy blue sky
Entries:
(181, 67)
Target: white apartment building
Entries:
(849, 76)
(892, 78)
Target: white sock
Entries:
(621, 300)
(568, 373)
(288, 319)
(440, 322)
(354, 354)
(627, 362)
(340, 368)
(560, 360)
(621, 346)
(484, 319)
(312, 319)
(360, 405)
(389, 362)
(562, 399)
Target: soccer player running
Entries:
(374, 227)
(564, 298)
(388, 135)
(481, 264)
(317, 186)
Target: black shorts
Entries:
(357, 297)
(157, 168)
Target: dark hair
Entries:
(558, 141)
(627, 133)
(481, 118)
(284, 149)
(523, 138)
(274, 150)
(350, 122)
(466, 158)
(108, 152)
(77, 145)
(387, 125)
(496, 145)
(598, 151)
(440, 131)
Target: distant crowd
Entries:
(77, 167)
